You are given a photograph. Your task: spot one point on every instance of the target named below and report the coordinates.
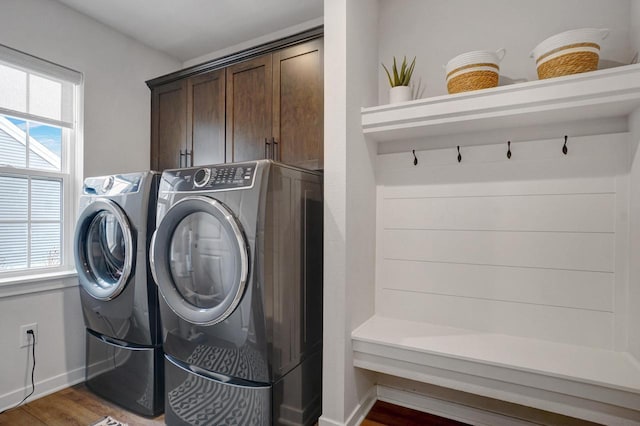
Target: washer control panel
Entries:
(213, 178)
(112, 185)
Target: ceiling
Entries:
(187, 29)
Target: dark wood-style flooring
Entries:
(74, 406)
(78, 406)
(386, 414)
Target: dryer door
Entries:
(104, 249)
(200, 260)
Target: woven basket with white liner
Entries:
(475, 70)
(570, 52)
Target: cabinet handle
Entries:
(267, 147)
(276, 149)
(182, 154)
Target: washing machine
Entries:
(237, 256)
(119, 298)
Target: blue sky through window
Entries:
(49, 136)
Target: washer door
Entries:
(104, 249)
(200, 260)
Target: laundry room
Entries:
(331, 212)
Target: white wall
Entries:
(435, 31)
(634, 234)
(349, 259)
(59, 349)
(634, 17)
(116, 139)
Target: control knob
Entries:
(107, 183)
(201, 178)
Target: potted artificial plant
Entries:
(399, 80)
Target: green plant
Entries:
(402, 77)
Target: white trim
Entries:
(39, 173)
(36, 283)
(613, 92)
(323, 421)
(74, 164)
(362, 409)
(621, 325)
(70, 163)
(43, 388)
(358, 414)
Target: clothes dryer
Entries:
(237, 255)
(118, 295)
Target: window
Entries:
(39, 129)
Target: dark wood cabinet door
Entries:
(298, 104)
(249, 103)
(206, 118)
(168, 126)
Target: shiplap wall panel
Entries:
(572, 326)
(552, 287)
(574, 186)
(554, 250)
(504, 213)
(527, 247)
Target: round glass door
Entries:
(200, 260)
(104, 249)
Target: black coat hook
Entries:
(459, 155)
(509, 150)
(564, 147)
(415, 159)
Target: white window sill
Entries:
(37, 282)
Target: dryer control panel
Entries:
(215, 178)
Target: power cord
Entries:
(33, 371)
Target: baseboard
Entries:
(43, 388)
(357, 415)
(447, 409)
(361, 410)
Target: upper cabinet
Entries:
(249, 94)
(168, 125)
(268, 106)
(298, 93)
(205, 116)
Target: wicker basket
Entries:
(473, 80)
(473, 71)
(571, 52)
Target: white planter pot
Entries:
(399, 94)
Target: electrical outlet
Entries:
(25, 338)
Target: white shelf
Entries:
(550, 376)
(613, 92)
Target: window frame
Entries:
(70, 173)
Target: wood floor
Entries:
(74, 406)
(78, 406)
(385, 414)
